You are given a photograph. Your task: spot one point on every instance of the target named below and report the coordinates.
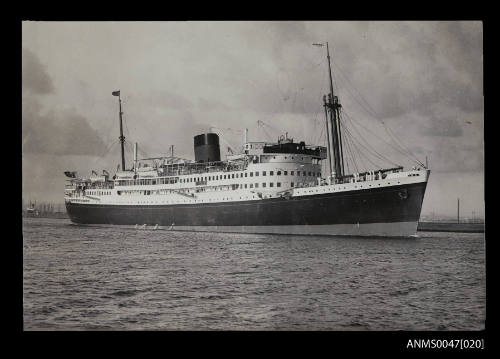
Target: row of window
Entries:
(264, 185)
(99, 193)
(200, 180)
(251, 174)
(148, 181)
(233, 187)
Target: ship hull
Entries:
(388, 211)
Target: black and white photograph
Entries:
(253, 176)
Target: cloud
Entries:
(54, 131)
(407, 66)
(35, 78)
(449, 127)
(61, 132)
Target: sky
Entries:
(403, 86)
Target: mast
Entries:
(335, 125)
(340, 142)
(135, 157)
(332, 106)
(330, 165)
(121, 138)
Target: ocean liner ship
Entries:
(270, 187)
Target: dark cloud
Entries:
(58, 132)
(411, 66)
(34, 75)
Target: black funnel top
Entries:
(206, 148)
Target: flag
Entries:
(116, 93)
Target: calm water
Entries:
(93, 278)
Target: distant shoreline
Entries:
(450, 227)
(47, 215)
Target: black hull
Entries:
(379, 205)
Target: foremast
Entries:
(121, 138)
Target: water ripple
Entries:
(114, 278)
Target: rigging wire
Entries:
(369, 109)
(397, 149)
(348, 142)
(376, 155)
(379, 155)
(104, 153)
(367, 150)
(357, 151)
